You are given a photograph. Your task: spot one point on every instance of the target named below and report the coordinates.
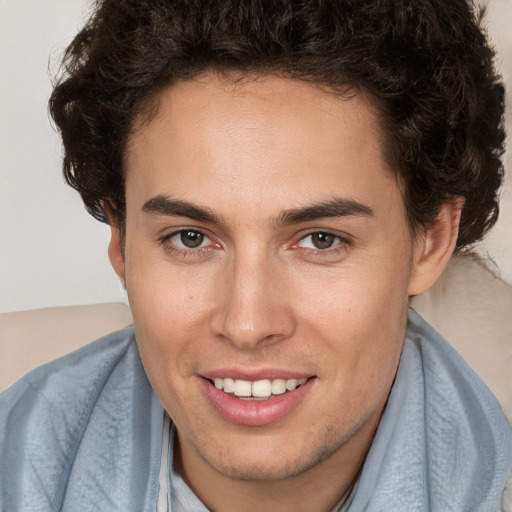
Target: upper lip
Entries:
(254, 374)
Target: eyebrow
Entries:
(163, 205)
(336, 207)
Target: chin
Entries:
(271, 462)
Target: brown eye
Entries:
(323, 240)
(191, 239)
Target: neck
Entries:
(318, 488)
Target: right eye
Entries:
(188, 239)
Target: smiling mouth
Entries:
(264, 389)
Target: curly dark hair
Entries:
(426, 63)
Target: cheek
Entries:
(170, 308)
(360, 314)
(164, 295)
(360, 296)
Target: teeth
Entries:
(278, 386)
(259, 389)
(228, 385)
(291, 384)
(242, 388)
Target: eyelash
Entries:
(170, 246)
(341, 243)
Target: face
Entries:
(267, 261)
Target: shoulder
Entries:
(443, 442)
(77, 374)
(446, 373)
(453, 391)
(465, 427)
(43, 416)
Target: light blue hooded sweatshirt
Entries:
(84, 433)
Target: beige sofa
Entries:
(31, 338)
(469, 306)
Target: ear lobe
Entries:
(433, 252)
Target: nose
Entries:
(253, 309)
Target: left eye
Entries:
(319, 241)
(189, 239)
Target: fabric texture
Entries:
(84, 433)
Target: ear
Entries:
(435, 248)
(115, 252)
(115, 247)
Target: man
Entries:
(280, 178)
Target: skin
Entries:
(256, 294)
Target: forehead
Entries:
(256, 136)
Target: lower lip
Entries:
(254, 412)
